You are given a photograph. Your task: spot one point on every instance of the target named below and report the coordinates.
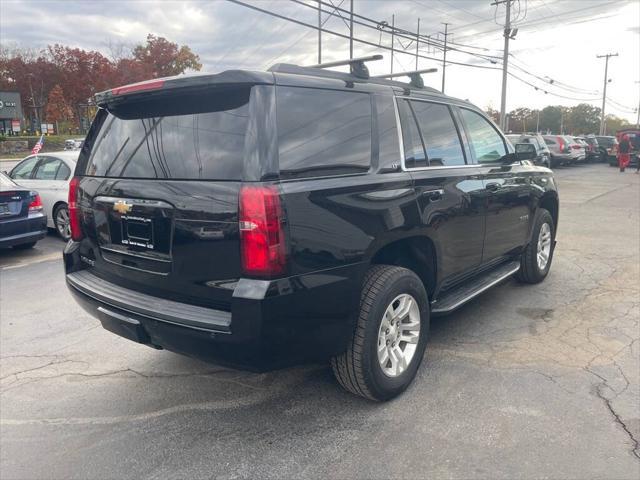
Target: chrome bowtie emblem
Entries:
(121, 206)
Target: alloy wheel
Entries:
(544, 246)
(398, 335)
(62, 223)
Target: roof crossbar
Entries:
(357, 65)
(415, 76)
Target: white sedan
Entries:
(50, 173)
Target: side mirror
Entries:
(525, 151)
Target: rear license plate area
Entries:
(137, 231)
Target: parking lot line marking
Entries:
(44, 258)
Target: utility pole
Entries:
(319, 32)
(351, 31)
(33, 102)
(393, 31)
(604, 89)
(538, 122)
(505, 59)
(638, 110)
(417, 43)
(444, 56)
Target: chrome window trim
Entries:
(401, 141)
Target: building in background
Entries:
(11, 118)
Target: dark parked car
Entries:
(262, 218)
(543, 154)
(22, 221)
(608, 147)
(593, 150)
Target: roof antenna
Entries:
(357, 66)
(415, 76)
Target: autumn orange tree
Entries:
(80, 74)
(58, 110)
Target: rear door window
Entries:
(179, 137)
(485, 141)
(323, 132)
(25, 169)
(47, 169)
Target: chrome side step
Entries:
(467, 291)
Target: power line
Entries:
(562, 15)
(341, 35)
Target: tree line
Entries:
(57, 83)
(582, 119)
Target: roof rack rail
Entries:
(415, 76)
(357, 65)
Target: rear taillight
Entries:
(74, 210)
(576, 146)
(36, 203)
(262, 240)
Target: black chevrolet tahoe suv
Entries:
(258, 219)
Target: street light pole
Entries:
(604, 89)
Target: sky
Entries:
(555, 49)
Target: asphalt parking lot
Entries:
(524, 382)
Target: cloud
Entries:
(555, 38)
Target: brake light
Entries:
(138, 87)
(262, 240)
(74, 210)
(561, 144)
(36, 203)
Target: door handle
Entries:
(433, 195)
(493, 186)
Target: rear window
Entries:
(323, 132)
(185, 136)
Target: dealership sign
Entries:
(7, 104)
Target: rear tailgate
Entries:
(158, 194)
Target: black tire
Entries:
(60, 228)
(25, 246)
(358, 369)
(530, 272)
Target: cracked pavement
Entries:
(524, 382)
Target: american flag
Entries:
(38, 146)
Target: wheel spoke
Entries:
(409, 338)
(404, 308)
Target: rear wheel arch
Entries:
(550, 203)
(56, 205)
(416, 253)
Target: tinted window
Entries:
(548, 141)
(63, 172)
(24, 169)
(47, 169)
(182, 137)
(485, 141)
(323, 132)
(414, 151)
(439, 134)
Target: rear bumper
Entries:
(271, 324)
(22, 230)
